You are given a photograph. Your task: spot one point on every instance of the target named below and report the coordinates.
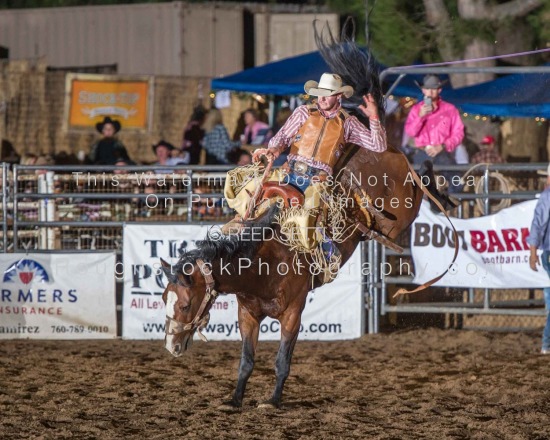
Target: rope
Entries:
(496, 57)
(504, 182)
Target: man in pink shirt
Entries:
(435, 126)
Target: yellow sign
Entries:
(91, 99)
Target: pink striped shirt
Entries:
(354, 132)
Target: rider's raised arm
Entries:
(373, 139)
(282, 140)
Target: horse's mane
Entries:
(216, 245)
(356, 66)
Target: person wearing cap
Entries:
(108, 150)
(487, 153)
(539, 238)
(163, 151)
(316, 134)
(435, 126)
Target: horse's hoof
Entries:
(269, 404)
(230, 406)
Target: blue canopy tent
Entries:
(287, 77)
(515, 95)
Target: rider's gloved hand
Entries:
(267, 152)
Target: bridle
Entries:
(175, 327)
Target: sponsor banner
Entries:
(92, 97)
(58, 296)
(492, 249)
(332, 312)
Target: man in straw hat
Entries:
(539, 238)
(435, 126)
(317, 133)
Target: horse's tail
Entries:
(426, 173)
(356, 66)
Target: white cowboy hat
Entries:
(329, 85)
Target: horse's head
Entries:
(188, 297)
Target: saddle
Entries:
(291, 196)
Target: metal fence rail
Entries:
(62, 208)
(527, 186)
(81, 209)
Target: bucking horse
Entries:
(280, 292)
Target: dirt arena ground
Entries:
(419, 384)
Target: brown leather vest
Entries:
(319, 138)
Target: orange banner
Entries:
(92, 100)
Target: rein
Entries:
(201, 319)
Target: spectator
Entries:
(45, 160)
(216, 139)
(163, 151)
(240, 157)
(108, 150)
(487, 153)
(64, 158)
(194, 134)
(539, 238)
(28, 159)
(436, 128)
(461, 155)
(8, 153)
(256, 132)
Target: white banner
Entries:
(492, 249)
(58, 296)
(332, 312)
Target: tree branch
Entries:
(438, 17)
(515, 8)
(480, 10)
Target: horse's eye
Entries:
(185, 308)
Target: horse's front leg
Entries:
(290, 327)
(249, 327)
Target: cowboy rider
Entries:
(317, 133)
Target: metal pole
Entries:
(190, 198)
(364, 287)
(371, 287)
(42, 217)
(375, 297)
(15, 213)
(50, 211)
(5, 194)
(471, 296)
(486, 204)
(383, 286)
(487, 211)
